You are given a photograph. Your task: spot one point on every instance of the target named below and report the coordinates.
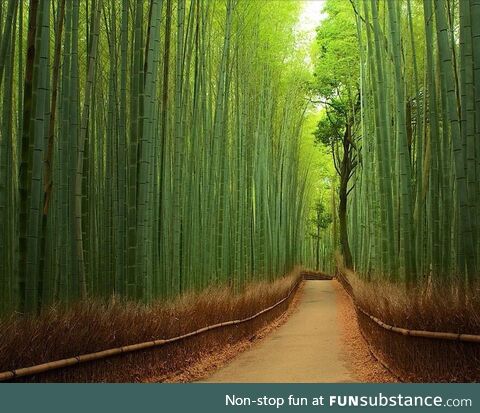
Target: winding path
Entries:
(307, 348)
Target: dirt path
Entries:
(307, 348)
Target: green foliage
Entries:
(322, 219)
(322, 183)
(330, 129)
(336, 55)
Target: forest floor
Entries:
(319, 342)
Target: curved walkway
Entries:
(306, 349)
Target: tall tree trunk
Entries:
(346, 170)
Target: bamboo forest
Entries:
(172, 167)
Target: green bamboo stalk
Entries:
(80, 153)
(406, 218)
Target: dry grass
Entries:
(428, 306)
(95, 326)
(364, 365)
(210, 361)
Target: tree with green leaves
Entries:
(336, 89)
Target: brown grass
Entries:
(364, 365)
(210, 361)
(428, 306)
(94, 326)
